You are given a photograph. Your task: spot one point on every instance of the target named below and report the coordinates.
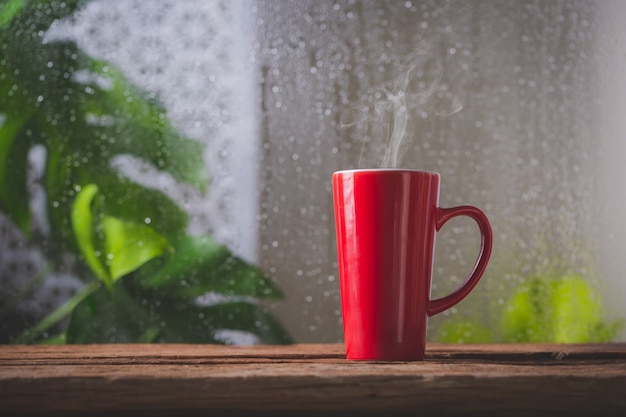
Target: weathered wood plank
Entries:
(317, 351)
(310, 379)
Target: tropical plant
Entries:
(143, 272)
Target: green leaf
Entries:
(111, 316)
(118, 197)
(15, 143)
(9, 9)
(57, 315)
(166, 149)
(130, 245)
(83, 226)
(200, 265)
(36, 15)
(128, 201)
(14, 149)
(127, 245)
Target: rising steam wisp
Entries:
(398, 114)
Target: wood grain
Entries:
(311, 380)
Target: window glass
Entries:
(517, 104)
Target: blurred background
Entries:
(518, 104)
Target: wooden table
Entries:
(481, 380)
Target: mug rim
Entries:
(374, 170)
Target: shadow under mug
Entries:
(386, 221)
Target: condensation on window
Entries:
(518, 104)
(510, 101)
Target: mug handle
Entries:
(445, 214)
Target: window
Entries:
(517, 104)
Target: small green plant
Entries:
(564, 309)
(143, 272)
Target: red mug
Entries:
(386, 221)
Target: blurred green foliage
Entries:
(564, 309)
(143, 273)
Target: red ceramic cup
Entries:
(386, 221)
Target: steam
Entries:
(397, 110)
(401, 113)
